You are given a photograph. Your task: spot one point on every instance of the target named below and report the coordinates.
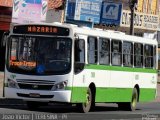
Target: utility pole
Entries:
(132, 6)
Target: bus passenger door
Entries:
(78, 89)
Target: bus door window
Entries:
(80, 51)
(138, 55)
(104, 51)
(92, 50)
(127, 54)
(79, 55)
(116, 49)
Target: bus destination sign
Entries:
(41, 30)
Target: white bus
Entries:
(69, 64)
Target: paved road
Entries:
(145, 111)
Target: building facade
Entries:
(146, 18)
(5, 20)
(5, 14)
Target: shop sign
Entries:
(111, 13)
(29, 11)
(141, 20)
(84, 10)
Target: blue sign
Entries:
(71, 7)
(84, 10)
(111, 13)
(33, 1)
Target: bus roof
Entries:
(113, 35)
(96, 32)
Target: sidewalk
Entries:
(158, 93)
(2, 101)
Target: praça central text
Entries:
(22, 63)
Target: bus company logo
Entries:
(111, 11)
(13, 76)
(35, 86)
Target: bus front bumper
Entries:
(38, 95)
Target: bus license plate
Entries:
(34, 95)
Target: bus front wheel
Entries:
(89, 103)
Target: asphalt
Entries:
(4, 101)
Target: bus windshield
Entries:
(39, 55)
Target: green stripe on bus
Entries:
(147, 94)
(119, 68)
(112, 94)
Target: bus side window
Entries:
(148, 56)
(127, 54)
(92, 50)
(138, 55)
(116, 49)
(104, 51)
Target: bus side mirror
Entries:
(4, 38)
(79, 55)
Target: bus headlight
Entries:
(12, 84)
(61, 85)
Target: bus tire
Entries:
(133, 103)
(32, 105)
(130, 106)
(89, 104)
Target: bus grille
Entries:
(41, 96)
(35, 84)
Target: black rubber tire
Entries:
(133, 103)
(90, 102)
(130, 106)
